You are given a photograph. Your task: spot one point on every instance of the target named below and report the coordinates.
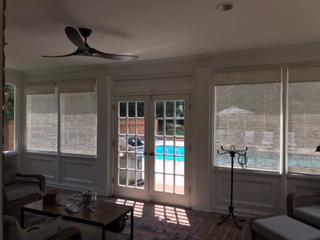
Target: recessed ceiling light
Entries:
(225, 6)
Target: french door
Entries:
(151, 153)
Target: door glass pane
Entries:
(123, 126)
(168, 183)
(140, 161)
(159, 126)
(123, 109)
(169, 164)
(170, 109)
(122, 143)
(131, 126)
(132, 109)
(158, 182)
(169, 148)
(131, 160)
(140, 126)
(159, 109)
(180, 109)
(140, 179)
(179, 127)
(122, 160)
(169, 127)
(179, 185)
(132, 178)
(131, 144)
(140, 109)
(123, 177)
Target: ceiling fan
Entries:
(84, 49)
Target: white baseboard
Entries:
(243, 212)
(201, 209)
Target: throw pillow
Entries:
(42, 231)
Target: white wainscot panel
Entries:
(254, 194)
(78, 171)
(45, 164)
(303, 184)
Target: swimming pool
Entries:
(169, 152)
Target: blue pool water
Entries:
(169, 151)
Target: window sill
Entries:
(41, 153)
(74, 155)
(10, 153)
(67, 155)
(251, 172)
(303, 176)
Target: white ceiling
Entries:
(153, 29)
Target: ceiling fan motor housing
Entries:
(85, 32)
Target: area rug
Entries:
(162, 222)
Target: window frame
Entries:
(277, 168)
(58, 152)
(16, 119)
(290, 73)
(250, 78)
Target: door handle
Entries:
(151, 154)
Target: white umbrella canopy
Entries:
(234, 110)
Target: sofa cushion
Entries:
(10, 228)
(309, 214)
(9, 176)
(20, 190)
(284, 228)
(43, 231)
(10, 168)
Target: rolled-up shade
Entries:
(79, 85)
(245, 76)
(40, 87)
(303, 74)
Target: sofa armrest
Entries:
(70, 233)
(33, 178)
(295, 200)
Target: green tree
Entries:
(9, 102)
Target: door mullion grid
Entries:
(127, 148)
(135, 150)
(164, 145)
(174, 147)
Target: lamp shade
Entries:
(318, 149)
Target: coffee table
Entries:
(106, 213)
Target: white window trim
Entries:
(301, 73)
(17, 117)
(44, 89)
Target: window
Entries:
(248, 115)
(41, 122)
(78, 119)
(71, 107)
(9, 118)
(303, 127)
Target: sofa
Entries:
(305, 207)
(12, 231)
(20, 189)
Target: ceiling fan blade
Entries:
(65, 55)
(74, 37)
(96, 53)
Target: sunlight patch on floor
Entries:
(171, 215)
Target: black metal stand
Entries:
(231, 208)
